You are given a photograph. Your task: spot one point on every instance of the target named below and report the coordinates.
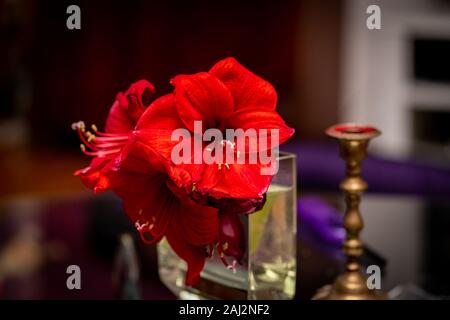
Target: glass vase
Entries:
(268, 270)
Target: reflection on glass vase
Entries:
(268, 270)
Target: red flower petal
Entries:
(118, 120)
(199, 222)
(148, 201)
(143, 91)
(193, 255)
(129, 106)
(97, 175)
(161, 114)
(156, 125)
(248, 90)
(137, 157)
(154, 131)
(240, 181)
(238, 206)
(90, 174)
(258, 119)
(192, 229)
(202, 97)
(186, 175)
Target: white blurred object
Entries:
(410, 292)
(377, 70)
(23, 254)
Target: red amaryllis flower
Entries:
(227, 97)
(194, 205)
(106, 146)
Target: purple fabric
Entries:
(320, 225)
(320, 167)
(321, 220)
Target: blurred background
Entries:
(327, 67)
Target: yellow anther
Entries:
(82, 147)
(81, 126)
(227, 166)
(94, 127)
(194, 187)
(90, 136)
(220, 166)
(225, 246)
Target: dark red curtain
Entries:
(75, 74)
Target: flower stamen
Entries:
(105, 144)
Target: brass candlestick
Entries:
(352, 284)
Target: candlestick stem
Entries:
(352, 284)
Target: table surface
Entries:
(41, 236)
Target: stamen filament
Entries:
(83, 139)
(107, 144)
(99, 153)
(111, 138)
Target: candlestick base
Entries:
(349, 286)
